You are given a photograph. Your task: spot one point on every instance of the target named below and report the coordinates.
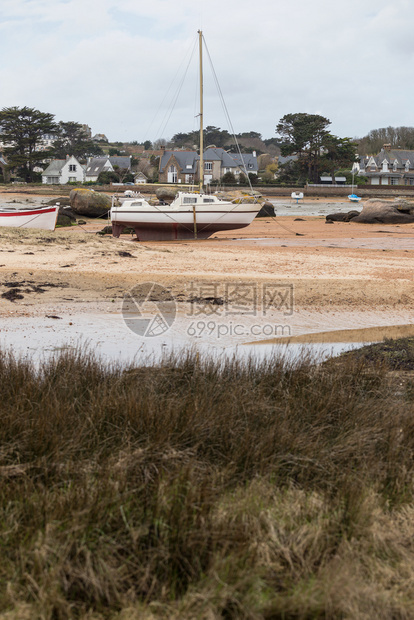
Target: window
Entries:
(394, 180)
(72, 168)
(72, 179)
(208, 165)
(187, 200)
(208, 199)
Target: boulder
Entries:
(377, 211)
(63, 220)
(167, 194)
(267, 210)
(64, 201)
(238, 196)
(88, 203)
(342, 217)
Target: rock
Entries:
(166, 193)
(67, 212)
(63, 220)
(64, 201)
(377, 211)
(238, 196)
(342, 217)
(107, 230)
(89, 203)
(267, 210)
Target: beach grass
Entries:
(202, 488)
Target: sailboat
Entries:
(353, 197)
(191, 215)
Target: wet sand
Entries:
(343, 275)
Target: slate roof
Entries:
(124, 162)
(95, 166)
(55, 167)
(390, 155)
(187, 160)
(232, 160)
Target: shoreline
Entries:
(337, 271)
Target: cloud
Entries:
(110, 64)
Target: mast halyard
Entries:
(201, 175)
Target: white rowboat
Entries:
(41, 217)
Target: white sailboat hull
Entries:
(43, 218)
(170, 222)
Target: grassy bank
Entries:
(202, 489)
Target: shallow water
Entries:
(109, 337)
(370, 243)
(288, 206)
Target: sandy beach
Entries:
(342, 275)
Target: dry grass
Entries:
(204, 489)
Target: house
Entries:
(139, 178)
(183, 166)
(62, 171)
(389, 167)
(218, 162)
(178, 167)
(96, 165)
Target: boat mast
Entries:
(201, 182)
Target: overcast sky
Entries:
(117, 65)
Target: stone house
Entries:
(389, 167)
(62, 171)
(183, 166)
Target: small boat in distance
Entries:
(297, 196)
(353, 197)
(40, 217)
(192, 214)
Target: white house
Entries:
(62, 171)
(139, 177)
(96, 165)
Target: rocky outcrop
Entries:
(88, 203)
(342, 217)
(377, 211)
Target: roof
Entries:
(96, 165)
(187, 160)
(55, 166)
(122, 161)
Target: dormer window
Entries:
(385, 166)
(407, 165)
(395, 165)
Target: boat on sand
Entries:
(40, 217)
(191, 215)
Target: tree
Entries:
(72, 140)
(228, 178)
(147, 145)
(337, 153)
(22, 130)
(303, 134)
(397, 137)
